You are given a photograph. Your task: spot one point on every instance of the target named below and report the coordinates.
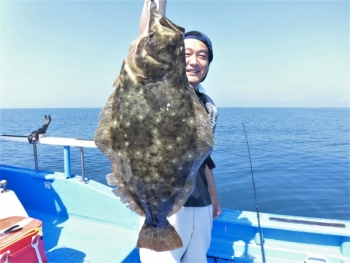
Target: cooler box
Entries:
(21, 240)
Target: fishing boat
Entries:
(83, 221)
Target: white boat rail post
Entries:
(82, 164)
(67, 143)
(66, 158)
(25, 139)
(36, 163)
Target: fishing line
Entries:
(256, 200)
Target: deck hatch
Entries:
(306, 222)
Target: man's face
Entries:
(197, 61)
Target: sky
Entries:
(67, 54)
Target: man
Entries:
(194, 221)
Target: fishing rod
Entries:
(256, 200)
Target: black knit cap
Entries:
(201, 37)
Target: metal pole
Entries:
(35, 157)
(66, 156)
(82, 164)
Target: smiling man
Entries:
(194, 221)
(199, 54)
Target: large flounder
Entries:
(155, 132)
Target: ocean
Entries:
(300, 156)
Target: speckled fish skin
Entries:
(155, 132)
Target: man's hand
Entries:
(212, 191)
(216, 207)
(161, 6)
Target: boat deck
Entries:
(77, 239)
(82, 222)
(82, 240)
(86, 222)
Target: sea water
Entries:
(300, 156)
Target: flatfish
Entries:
(155, 132)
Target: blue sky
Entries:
(266, 53)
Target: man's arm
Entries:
(161, 6)
(212, 191)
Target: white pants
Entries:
(194, 225)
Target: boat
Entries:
(83, 221)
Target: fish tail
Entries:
(159, 238)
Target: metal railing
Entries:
(65, 142)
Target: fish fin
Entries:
(127, 199)
(204, 148)
(111, 180)
(103, 142)
(102, 135)
(130, 62)
(114, 179)
(159, 238)
(204, 126)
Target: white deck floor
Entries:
(82, 240)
